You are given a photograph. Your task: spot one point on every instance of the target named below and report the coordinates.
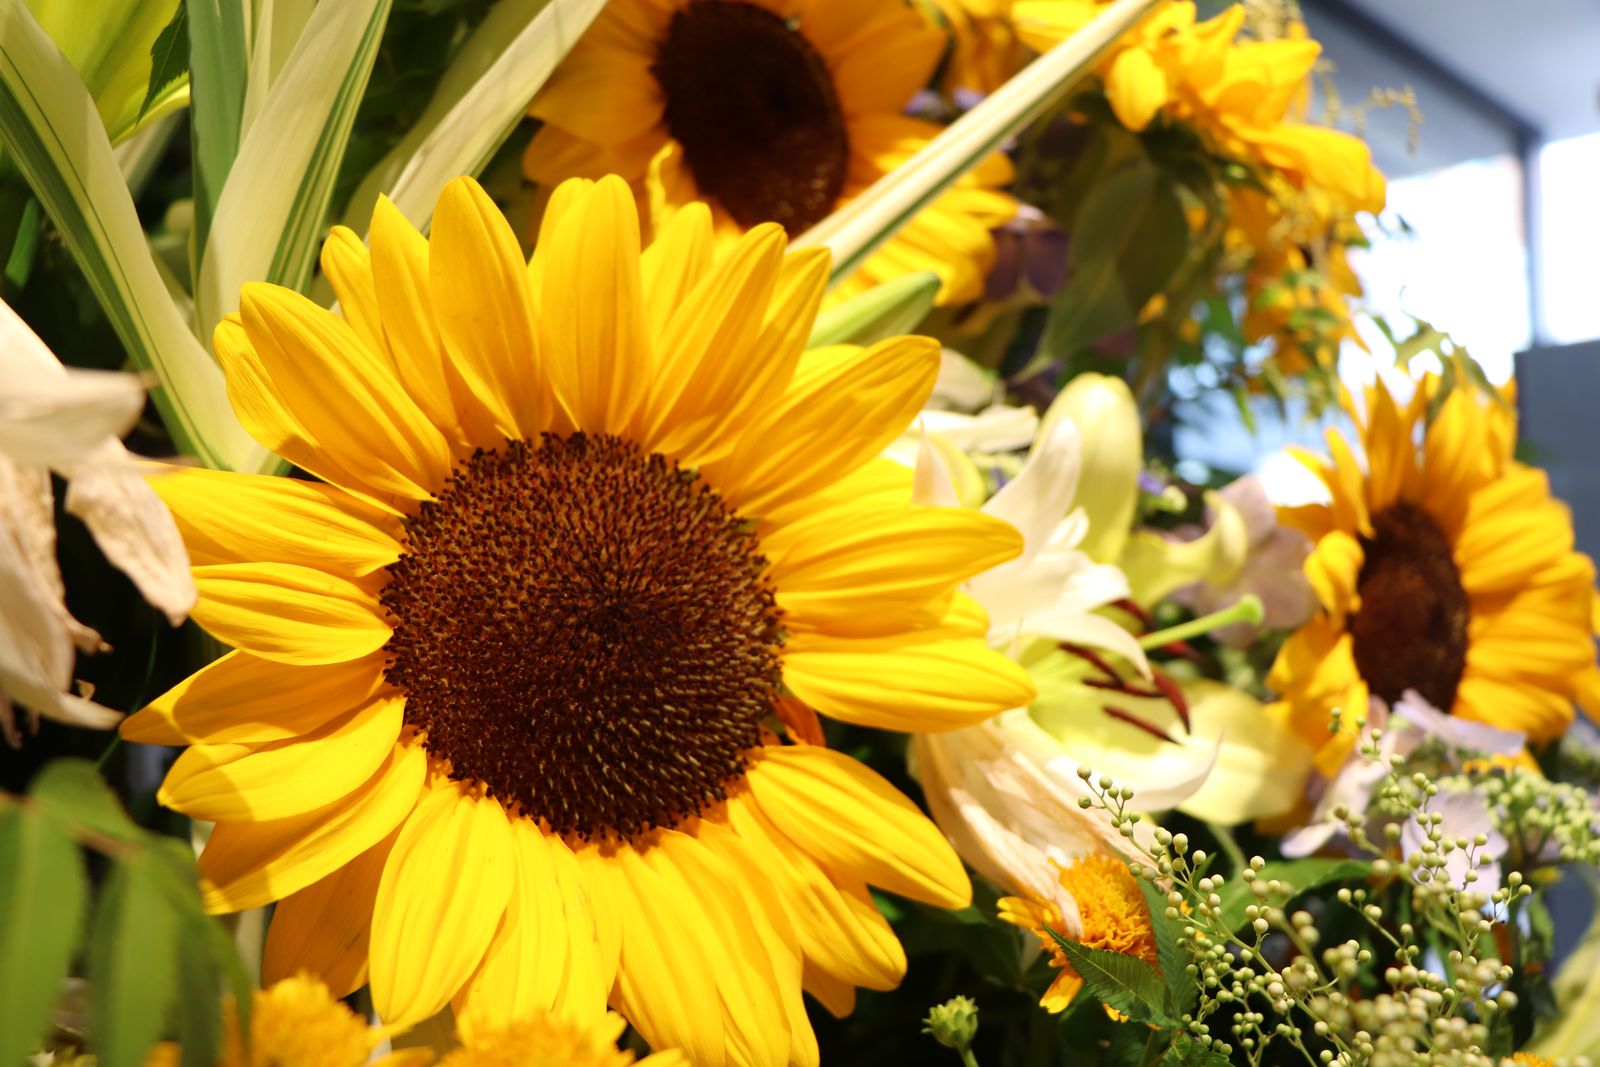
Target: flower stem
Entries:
(1245, 609)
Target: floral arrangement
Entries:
(593, 532)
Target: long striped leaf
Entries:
(855, 231)
(219, 54)
(50, 126)
(479, 101)
(270, 219)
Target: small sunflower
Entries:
(770, 111)
(1245, 98)
(1441, 565)
(499, 724)
(1098, 904)
(297, 1022)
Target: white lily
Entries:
(53, 418)
(1006, 791)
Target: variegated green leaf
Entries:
(52, 130)
(270, 219)
(219, 53)
(887, 310)
(479, 100)
(855, 231)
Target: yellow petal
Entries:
(242, 697)
(591, 320)
(348, 267)
(843, 408)
(443, 892)
(237, 518)
(665, 985)
(673, 266)
(324, 928)
(345, 395)
(928, 680)
(247, 865)
(707, 362)
(882, 560)
(1137, 88)
(851, 819)
(840, 930)
(283, 778)
(400, 280)
(287, 613)
(545, 955)
(479, 289)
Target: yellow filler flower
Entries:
(1441, 565)
(497, 728)
(770, 111)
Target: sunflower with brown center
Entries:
(1442, 565)
(770, 111)
(501, 727)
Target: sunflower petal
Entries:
(443, 891)
(323, 929)
(284, 778)
(292, 614)
(242, 697)
(930, 680)
(247, 865)
(235, 518)
(850, 818)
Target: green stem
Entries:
(1229, 845)
(1245, 609)
(967, 1058)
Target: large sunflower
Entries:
(770, 111)
(500, 723)
(1443, 566)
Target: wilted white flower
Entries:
(69, 421)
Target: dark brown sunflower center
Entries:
(753, 105)
(587, 630)
(1411, 631)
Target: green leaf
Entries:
(1172, 960)
(133, 965)
(1304, 875)
(888, 310)
(1129, 236)
(51, 127)
(219, 66)
(72, 790)
(199, 983)
(1119, 981)
(42, 898)
(1186, 1052)
(272, 212)
(859, 228)
(169, 57)
(480, 100)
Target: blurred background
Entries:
(1492, 233)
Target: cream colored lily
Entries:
(53, 418)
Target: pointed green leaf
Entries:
(219, 64)
(273, 209)
(169, 57)
(888, 310)
(1304, 875)
(480, 99)
(133, 972)
(73, 791)
(199, 990)
(1129, 236)
(1170, 959)
(860, 227)
(1118, 981)
(42, 897)
(1186, 1052)
(51, 127)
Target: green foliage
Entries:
(888, 310)
(42, 895)
(1304, 875)
(1119, 981)
(1129, 236)
(169, 56)
(151, 947)
(1186, 1052)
